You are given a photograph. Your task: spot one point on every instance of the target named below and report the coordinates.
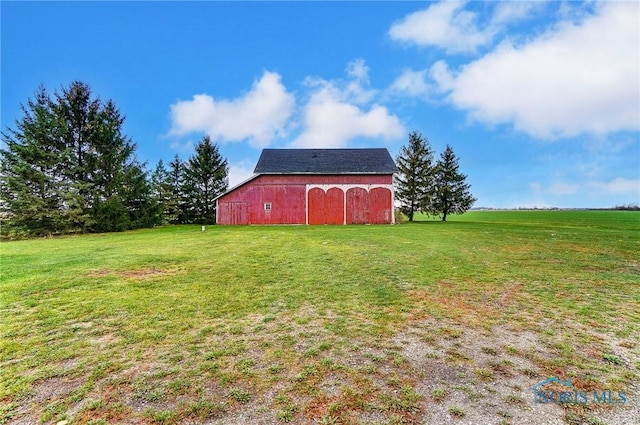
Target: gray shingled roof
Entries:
(325, 161)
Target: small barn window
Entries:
(267, 206)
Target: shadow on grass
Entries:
(437, 221)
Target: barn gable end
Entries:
(313, 186)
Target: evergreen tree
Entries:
(77, 126)
(109, 182)
(176, 202)
(414, 182)
(68, 167)
(98, 155)
(451, 195)
(205, 177)
(161, 188)
(137, 196)
(166, 188)
(31, 186)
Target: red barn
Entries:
(313, 186)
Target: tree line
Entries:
(424, 186)
(187, 190)
(67, 167)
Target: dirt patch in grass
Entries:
(104, 341)
(147, 272)
(470, 375)
(46, 394)
(478, 377)
(143, 273)
(100, 273)
(56, 387)
(443, 301)
(290, 367)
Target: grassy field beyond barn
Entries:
(425, 322)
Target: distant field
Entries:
(419, 322)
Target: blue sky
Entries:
(540, 100)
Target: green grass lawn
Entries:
(299, 323)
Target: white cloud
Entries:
(339, 111)
(561, 188)
(184, 147)
(258, 116)
(589, 188)
(411, 83)
(576, 78)
(358, 70)
(555, 189)
(329, 122)
(440, 73)
(618, 185)
(445, 25)
(332, 113)
(357, 89)
(511, 11)
(239, 172)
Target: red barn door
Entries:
(326, 208)
(334, 206)
(357, 206)
(315, 204)
(380, 205)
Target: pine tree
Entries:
(108, 182)
(205, 177)
(137, 196)
(176, 202)
(68, 167)
(76, 118)
(414, 181)
(161, 188)
(32, 174)
(451, 195)
(166, 188)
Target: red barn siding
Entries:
(325, 179)
(233, 212)
(287, 204)
(289, 199)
